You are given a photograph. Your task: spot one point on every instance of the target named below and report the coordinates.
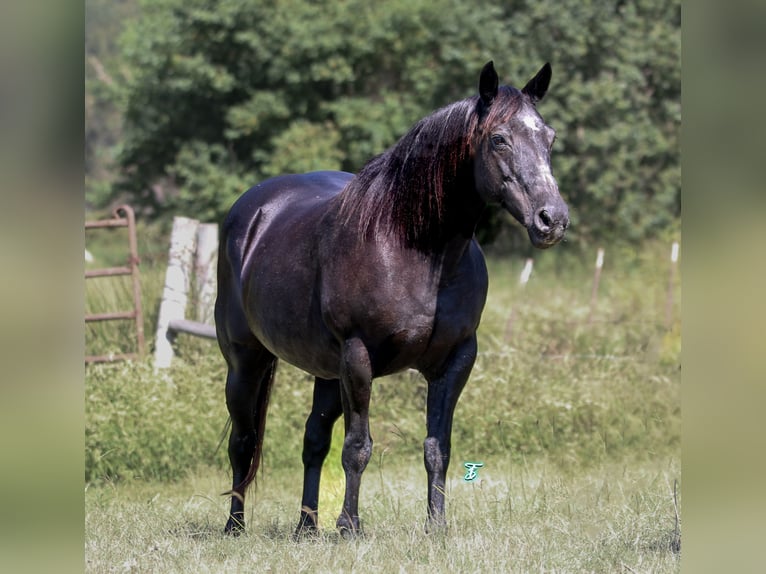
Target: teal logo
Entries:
(471, 470)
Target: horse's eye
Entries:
(498, 141)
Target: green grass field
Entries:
(577, 424)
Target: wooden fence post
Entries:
(205, 267)
(177, 281)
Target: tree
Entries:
(103, 77)
(225, 93)
(616, 106)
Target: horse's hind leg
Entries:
(325, 410)
(248, 384)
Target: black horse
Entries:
(356, 277)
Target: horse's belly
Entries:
(394, 327)
(315, 358)
(399, 351)
(284, 315)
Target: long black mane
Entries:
(404, 190)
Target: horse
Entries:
(354, 277)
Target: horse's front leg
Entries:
(326, 407)
(356, 383)
(444, 389)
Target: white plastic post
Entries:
(671, 283)
(526, 273)
(596, 281)
(177, 281)
(205, 263)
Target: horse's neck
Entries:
(463, 208)
(412, 209)
(459, 225)
(449, 259)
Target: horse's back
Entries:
(293, 191)
(296, 186)
(279, 198)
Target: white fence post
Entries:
(177, 281)
(671, 283)
(205, 264)
(526, 273)
(596, 281)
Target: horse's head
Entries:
(513, 156)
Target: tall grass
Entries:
(581, 392)
(577, 424)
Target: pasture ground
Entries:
(575, 415)
(514, 518)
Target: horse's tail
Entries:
(261, 406)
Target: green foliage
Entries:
(104, 73)
(139, 425)
(257, 89)
(304, 147)
(616, 104)
(210, 181)
(223, 94)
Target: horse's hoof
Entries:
(346, 533)
(435, 526)
(349, 529)
(234, 527)
(304, 532)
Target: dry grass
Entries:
(520, 518)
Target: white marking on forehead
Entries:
(531, 122)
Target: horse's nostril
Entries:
(545, 218)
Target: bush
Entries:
(142, 425)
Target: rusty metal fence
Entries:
(135, 314)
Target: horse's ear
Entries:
(537, 86)
(488, 83)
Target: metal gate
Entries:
(136, 314)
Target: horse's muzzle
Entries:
(549, 224)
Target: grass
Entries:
(530, 517)
(576, 422)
